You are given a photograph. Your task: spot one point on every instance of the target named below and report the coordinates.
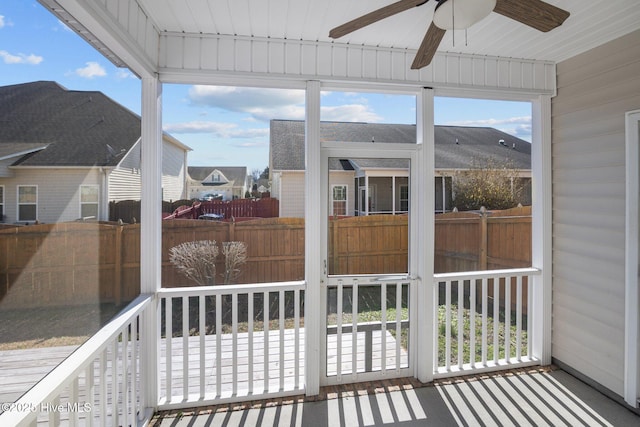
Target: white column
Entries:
(151, 226)
(632, 294)
(313, 257)
(541, 310)
(422, 221)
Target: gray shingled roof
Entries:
(75, 126)
(474, 146)
(237, 174)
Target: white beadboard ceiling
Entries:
(128, 31)
(592, 23)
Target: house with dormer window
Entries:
(220, 182)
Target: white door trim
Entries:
(632, 299)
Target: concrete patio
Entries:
(533, 397)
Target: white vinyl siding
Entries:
(292, 195)
(27, 203)
(595, 90)
(173, 172)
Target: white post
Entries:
(313, 257)
(423, 218)
(540, 310)
(632, 294)
(150, 229)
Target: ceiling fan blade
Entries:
(374, 16)
(428, 47)
(534, 13)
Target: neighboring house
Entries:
(66, 154)
(365, 186)
(229, 182)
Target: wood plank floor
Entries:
(21, 369)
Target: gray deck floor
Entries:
(524, 399)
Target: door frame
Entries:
(383, 151)
(632, 264)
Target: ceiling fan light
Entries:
(461, 14)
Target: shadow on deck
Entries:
(534, 397)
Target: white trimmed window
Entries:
(89, 196)
(339, 200)
(27, 203)
(404, 198)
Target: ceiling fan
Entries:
(460, 14)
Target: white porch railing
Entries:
(230, 343)
(98, 384)
(483, 321)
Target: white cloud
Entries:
(91, 70)
(20, 58)
(123, 74)
(2, 24)
(261, 104)
(350, 113)
(524, 120)
(217, 129)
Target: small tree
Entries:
(492, 184)
(196, 260)
(235, 255)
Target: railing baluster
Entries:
(202, 328)
(168, 333)
(73, 398)
(436, 326)
(485, 308)
(218, 345)
(529, 322)
(125, 376)
(265, 304)
(399, 287)
(507, 318)
(296, 349)
(281, 325)
(234, 342)
(185, 347)
(250, 316)
(496, 319)
(447, 333)
(134, 368)
(339, 331)
(54, 416)
(90, 387)
(519, 319)
(472, 322)
(354, 328)
(115, 416)
(383, 328)
(460, 323)
(103, 387)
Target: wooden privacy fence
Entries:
(240, 208)
(81, 263)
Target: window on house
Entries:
(404, 198)
(27, 202)
(339, 200)
(89, 201)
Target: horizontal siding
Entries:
(292, 196)
(124, 184)
(209, 55)
(595, 90)
(173, 172)
(58, 192)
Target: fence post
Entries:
(482, 256)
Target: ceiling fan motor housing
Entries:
(461, 14)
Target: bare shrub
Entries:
(235, 255)
(196, 260)
(491, 184)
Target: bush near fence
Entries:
(80, 263)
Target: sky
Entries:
(225, 126)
